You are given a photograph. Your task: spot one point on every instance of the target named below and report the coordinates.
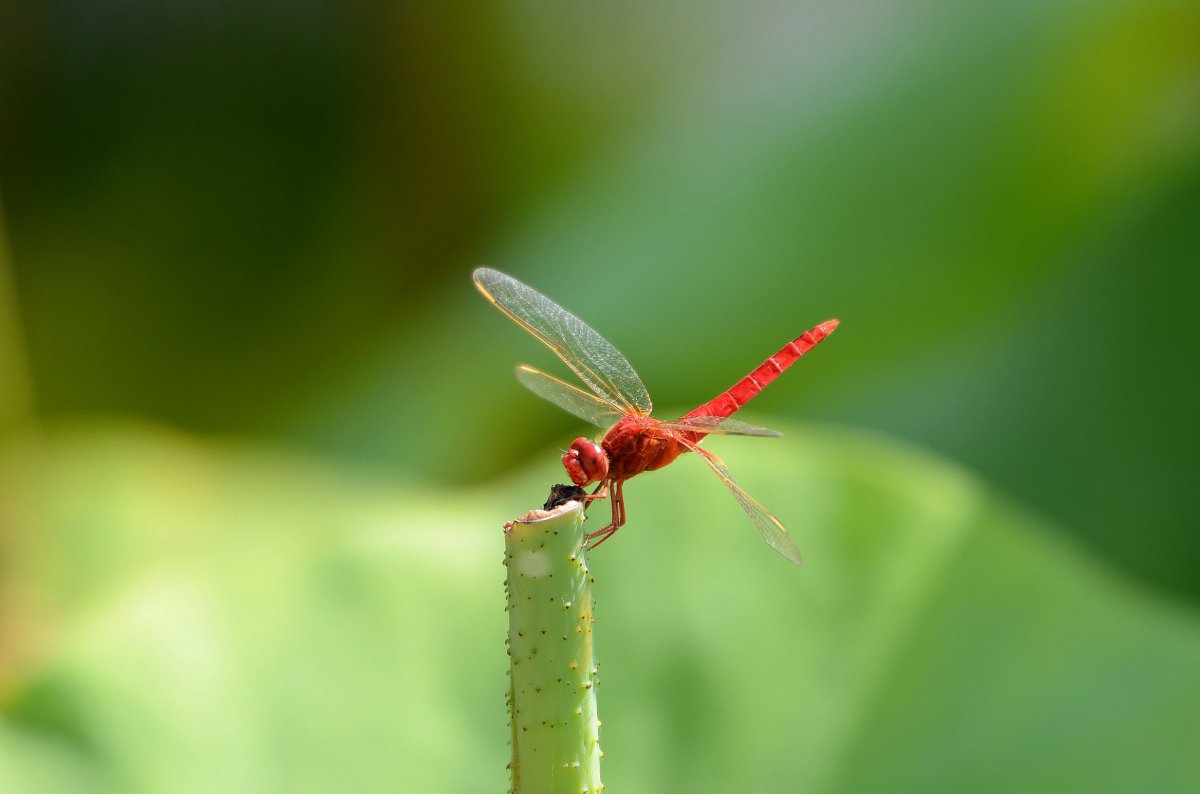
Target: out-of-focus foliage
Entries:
(256, 221)
(259, 218)
(237, 619)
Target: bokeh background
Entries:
(258, 433)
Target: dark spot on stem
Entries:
(560, 494)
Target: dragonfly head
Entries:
(585, 461)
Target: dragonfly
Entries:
(634, 442)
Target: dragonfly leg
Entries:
(601, 492)
(594, 539)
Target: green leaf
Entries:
(192, 617)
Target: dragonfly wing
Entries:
(719, 425)
(769, 526)
(573, 400)
(589, 355)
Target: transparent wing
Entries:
(769, 527)
(587, 407)
(719, 425)
(589, 355)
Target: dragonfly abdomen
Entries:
(729, 401)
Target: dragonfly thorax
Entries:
(637, 444)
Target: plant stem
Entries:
(552, 697)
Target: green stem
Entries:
(552, 699)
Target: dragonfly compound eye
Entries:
(585, 462)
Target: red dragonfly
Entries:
(635, 442)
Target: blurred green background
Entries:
(258, 433)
